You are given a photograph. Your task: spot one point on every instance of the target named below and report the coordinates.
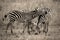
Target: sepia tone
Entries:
(26, 6)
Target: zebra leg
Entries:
(44, 26)
(7, 27)
(24, 27)
(37, 27)
(45, 30)
(12, 28)
(30, 28)
(29, 23)
(9, 24)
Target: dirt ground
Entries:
(53, 34)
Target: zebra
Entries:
(43, 20)
(21, 17)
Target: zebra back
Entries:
(14, 15)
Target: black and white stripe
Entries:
(13, 16)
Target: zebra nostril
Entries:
(3, 19)
(45, 12)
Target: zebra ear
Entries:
(36, 8)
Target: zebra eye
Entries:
(45, 12)
(5, 16)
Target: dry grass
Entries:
(28, 5)
(53, 34)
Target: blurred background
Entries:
(28, 5)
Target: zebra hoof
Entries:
(12, 33)
(36, 33)
(39, 31)
(6, 32)
(22, 33)
(44, 31)
(29, 33)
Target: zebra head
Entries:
(5, 19)
(43, 11)
(46, 10)
(5, 16)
